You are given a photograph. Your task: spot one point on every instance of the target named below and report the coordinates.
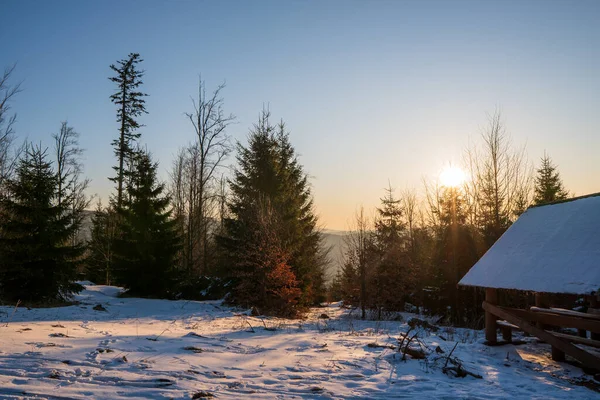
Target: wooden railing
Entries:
(536, 320)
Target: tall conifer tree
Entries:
(37, 260)
(268, 171)
(130, 105)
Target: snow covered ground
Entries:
(159, 349)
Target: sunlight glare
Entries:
(452, 177)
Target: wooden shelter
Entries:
(553, 248)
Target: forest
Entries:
(251, 234)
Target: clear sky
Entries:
(370, 90)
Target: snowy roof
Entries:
(553, 248)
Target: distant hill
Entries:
(335, 241)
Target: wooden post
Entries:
(491, 296)
(557, 354)
(506, 334)
(594, 310)
(541, 301)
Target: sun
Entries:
(452, 176)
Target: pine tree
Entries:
(548, 185)
(38, 259)
(147, 241)
(130, 105)
(269, 171)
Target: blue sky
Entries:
(370, 90)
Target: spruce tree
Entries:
(147, 240)
(268, 171)
(130, 105)
(37, 258)
(394, 277)
(548, 185)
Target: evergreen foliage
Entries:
(394, 277)
(130, 105)
(38, 259)
(269, 175)
(265, 277)
(548, 185)
(146, 240)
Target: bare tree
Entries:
(358, 244)
(433, 195)
(501, 179)
(410, 207)
(196, 182)
(69, 170)
(7, 121)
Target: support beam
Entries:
(587, 359)
(491, 297)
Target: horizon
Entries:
(371, 92)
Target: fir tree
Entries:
(147, 241)
(269, 171)
(548, 185)
(393, 278)
(38, 261)
(130, 105)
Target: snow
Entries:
(159, 349)
(553, 248)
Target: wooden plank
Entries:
(569, 313)
(583, 356)
(504, 324)
(491, 297)
(577, 339)
(564, 321)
